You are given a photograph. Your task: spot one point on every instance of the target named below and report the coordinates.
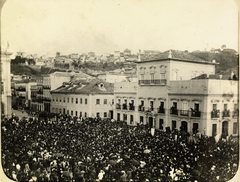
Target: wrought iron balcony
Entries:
(215, 114)
(124, 106)
(173, 111)
(118, 106)
(161, 110)
(184, 112)
(235, 113)
(196, 113)
(141, 108)
(152, 82)
(131, 107)
(226, 113)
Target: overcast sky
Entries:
(44, 27)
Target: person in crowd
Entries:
(57, 147)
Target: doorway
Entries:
(184, 126)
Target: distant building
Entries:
(127, 52)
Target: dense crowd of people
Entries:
(50, 147)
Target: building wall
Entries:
(90, 108)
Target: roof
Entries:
(84, 87)
(176, 55)
(212, 77)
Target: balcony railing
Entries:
(153, 82)
(184, 112)
(21, 89)
(21, 96)
(174, 111)
(124, 106)
(40, 92)
(149, 109)
(46, 87)
(226, 113)
(141, 108)
(46, 99)
(118, 106)
(235, 113)
(215, 114)
(196, 113)
(131, 107)
(161, 110)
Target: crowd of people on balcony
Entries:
(56, 147)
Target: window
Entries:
(63, 99)
(161, 124)
(72, 113)
(76, 113)
(235, 127)
(152, 78)
(63, 110)
(60, 100)
(105, 114)
(68, 100)
(80, 114)
(118, 116)
(85, 114)
(124, 117)
(53, 99)
(141, 119)
(196, 107)
(60, 111)
(80, 100)
(151, 105)
(142, 103)
(174, 125)
(97, 101)
(105, 101)
(214, 107)
(162, 76)
(76, 100)
(97, 114)
(56, 99)
(131, 119)
(67, 111)
(142, 77)
(72, 100)
(185, 106)
(214, 130)
(85, 101)
(112, 101)
(225, 107)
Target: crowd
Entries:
(49, 147)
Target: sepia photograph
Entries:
(119, 90)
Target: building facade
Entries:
(84, 99)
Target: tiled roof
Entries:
(83, 87)
(181, 55)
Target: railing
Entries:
(226, 113)
(21, 96)
(46, 87)
(124, 106)
(47, 99)
(215, 114)
(40, 92)
(235, 113)
(196, 113)
(184, 112)
(131, 107)
(174, 111)
(118, 106)
(153, 82)
(21, 89)
(161, 110)
(141, 108)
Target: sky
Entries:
(44, 27)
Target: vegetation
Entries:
(21, 60)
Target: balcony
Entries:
(124, 106)
(174, 111)
(118, 106)
(196, 113)
(131, 107)
(152, 82)
(184, 112)
(46, 99)
(161, 110)
(235, 113)
(46, 87)
(20, 89)
(215, 114)
(40, 92)
(149, 109)
(226, 113)
(141, 108)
